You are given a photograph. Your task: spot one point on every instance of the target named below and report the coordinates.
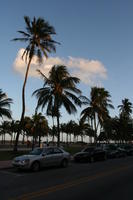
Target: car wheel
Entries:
(64, 163)
(35, 167)
(91, 159)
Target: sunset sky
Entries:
(96, 39)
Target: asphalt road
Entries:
(108, 180)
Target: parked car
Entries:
(128, 149)
(121, 152)
(111, 153)
(90, 154)
(42, 157)
(114, 151)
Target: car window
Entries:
(49, 151)
(36, 151)
(57, 150)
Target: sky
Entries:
(96, 39)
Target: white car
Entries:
(42, 157)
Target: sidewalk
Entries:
(5, 164)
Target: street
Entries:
(108, 180)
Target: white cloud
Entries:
(90, 72)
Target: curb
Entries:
(5, 164)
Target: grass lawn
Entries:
(73, 149)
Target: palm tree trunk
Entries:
(53, 130)
(70, 138)
(33, 142)
(95, 129)
(4, 138)
(11, 138)
(82, 138)
(39, 139)
(62, 136)
(23, 138)
(58, 131)
(23, 106)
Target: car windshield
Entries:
(36, 152)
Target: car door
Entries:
(98, 154)
(48, 156)
(58, 156)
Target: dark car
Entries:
(121, 152)
(113, 151)
(90, 154)
(128, 149)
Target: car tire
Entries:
(64, 163)
(35, 167)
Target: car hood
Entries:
(23, 157)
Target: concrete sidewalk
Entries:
(5, 164)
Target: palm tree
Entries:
(83, 129)
(53, 114)
(106, 134)
(4, 129)
(59, 90)
(40, 126)
(38, 36)
(5, 103)
(125, 108)
(98, 110)
(13, 129)
(64, 129)
(69, 129)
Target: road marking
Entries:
(45, 191)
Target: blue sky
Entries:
(88, 30)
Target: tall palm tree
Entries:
(13, 129)
(40, 126)
(69, 129)
(59, 90)
(38, 36)
(125, 108)
(5, 129)
(83, 129)
(106, 133)
(98, 110)
(5, 103)
(53, 114)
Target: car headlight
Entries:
(26, 161)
